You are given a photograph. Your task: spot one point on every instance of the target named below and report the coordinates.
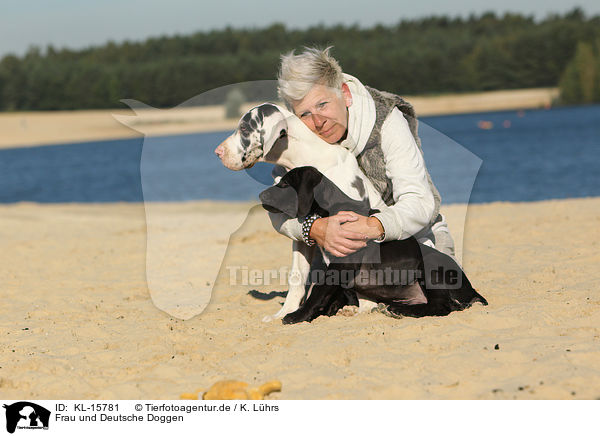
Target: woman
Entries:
(380, 129)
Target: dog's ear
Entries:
(274, 126)
(306, 179)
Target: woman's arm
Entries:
(405, 166)
(290, 227)
(327, 232)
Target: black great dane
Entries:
(388, 272)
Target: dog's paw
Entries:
(278, 315)
(348, 311)
(293, 318)
(288, 320)
(366, 306)
(384, 309)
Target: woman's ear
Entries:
(347, 95)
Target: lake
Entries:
(501, 156)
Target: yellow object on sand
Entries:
(234, 390)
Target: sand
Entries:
(78, 321)
(23, 129)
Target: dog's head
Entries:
(258, 130)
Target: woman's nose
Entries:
(318, 120)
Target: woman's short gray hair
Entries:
(299, 73)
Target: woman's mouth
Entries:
(327, 132)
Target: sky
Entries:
(82, 23)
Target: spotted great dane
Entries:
(270, 133)
(327, 178)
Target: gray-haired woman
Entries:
(380, 129)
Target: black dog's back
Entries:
(406, 267)
(442, 280)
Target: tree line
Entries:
(424, 56)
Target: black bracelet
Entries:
(306, 226)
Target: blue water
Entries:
(542, 154)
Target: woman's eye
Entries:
(304, 114)
(322, 104)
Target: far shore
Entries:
(24, 129)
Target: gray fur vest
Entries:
(371, 159)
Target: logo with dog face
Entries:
(26, 415)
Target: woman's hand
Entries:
(330, 235)
(345, 233)
(369, 226)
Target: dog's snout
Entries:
(220, 150)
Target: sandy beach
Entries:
(23, 129)
(78, 321)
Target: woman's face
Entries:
(325, 112)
